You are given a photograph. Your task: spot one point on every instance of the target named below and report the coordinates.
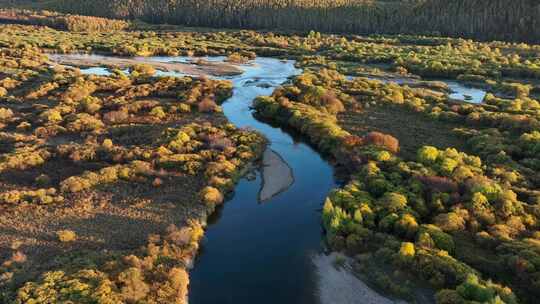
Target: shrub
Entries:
(407, 250)
(43, 180)
(211, 195)
(84, 122)
(427, 155)
(51, 115)
(134, 287)
(331, 102)
(207, 105)
(438, 183)
(424, 240)
(116, 117)
(406, 226)
(473, 290)
(107, 144)
(66, 236)
(237, 58)
(180, 237)
(447, 166)
(393, 202)
(450, 222)
(442, 240)
(219, 142)
(84, 286)
(143, 70)
(179, 280)
(448, 296)
(5, 114)
(78, 90)
(24, 159)
(382, 140)
(40, 196)
(90, 104)
(158, 112)
(75, 184)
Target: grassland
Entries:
(419, 212)
(106, 181)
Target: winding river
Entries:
(257, 252)
(262, 252)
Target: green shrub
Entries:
(393, 202)
(442, 240)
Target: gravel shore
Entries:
(341, 286)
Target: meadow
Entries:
(115, 175)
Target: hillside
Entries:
(479, 19)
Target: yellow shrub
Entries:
(66, 236)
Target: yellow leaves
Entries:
(211, 196)
(66, 236)
(40, 196)
(407, 249)
(5, 114)
(51, 115)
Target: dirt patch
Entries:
(118, 218)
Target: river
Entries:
(257, 252)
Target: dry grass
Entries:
(413, 130)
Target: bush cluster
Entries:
(155, 274)
(76, 23)
(438, 217)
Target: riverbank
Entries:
(406, 211)
(339, 285)
(109, 180)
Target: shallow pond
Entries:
(465, 93)
(262, 252)
(458, 91)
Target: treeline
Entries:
(60, 21)
(515, 20)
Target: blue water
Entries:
(261, 252)
(458, 91)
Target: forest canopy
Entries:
(479, 19)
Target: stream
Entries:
(262, 252)
(457, 90)
(271, 251)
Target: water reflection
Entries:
(261, 252)
(458, 91)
